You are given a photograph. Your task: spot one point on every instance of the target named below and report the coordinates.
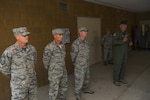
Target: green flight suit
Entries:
(120, 56)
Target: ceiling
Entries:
(137, 6)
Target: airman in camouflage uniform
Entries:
(107, 43)
(17, 62)
(138, 37)
(80, 58)
(54, 61)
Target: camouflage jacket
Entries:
(18, 63)
(80, 52)
(54, 58)
(107, 41)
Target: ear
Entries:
(17, 37)
(120, 25)
(80, 33)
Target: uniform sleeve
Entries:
(117, 39)
(46, 56)
(74, 51)
(35, 57)
(5, 64)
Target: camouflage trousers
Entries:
(107, 54)
(58, 86)
(137, 42)
(21, 91)
(81, 77)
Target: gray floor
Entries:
(138, 76)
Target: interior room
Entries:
(41, 16)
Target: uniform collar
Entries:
(54, 43)
(19, 48)
(122, 32)
(81, 40)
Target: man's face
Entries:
(108, 32)
(58, 37)
(23, 39)
(83, 34)
(123, 27)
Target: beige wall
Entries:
(40, 17)
(93, 25)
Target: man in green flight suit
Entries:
(121, 41)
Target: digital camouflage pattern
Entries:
(54, 62)
(80, 58)
(21, 31)
(18, 64)
(107, 43)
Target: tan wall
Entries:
(40, 17)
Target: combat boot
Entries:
(123, 81)
(87, 90)
(117, 83)
(78, 96)
(105, 63)
(110, 62)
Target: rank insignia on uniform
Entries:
(114, 34)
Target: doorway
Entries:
(94, 36)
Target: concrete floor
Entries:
(137, 75)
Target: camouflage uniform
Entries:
(54, 61)
(18, 64)
(137, 37)
(80, 59)
(107, 43)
